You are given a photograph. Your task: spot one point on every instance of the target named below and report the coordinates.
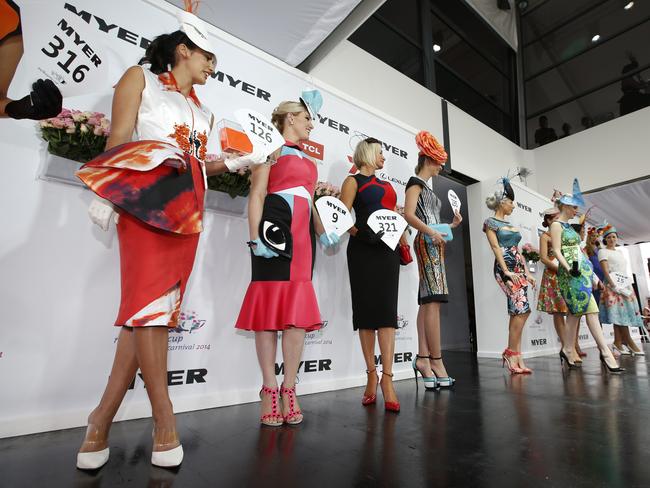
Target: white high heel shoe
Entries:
(93, 459)
(168, 459)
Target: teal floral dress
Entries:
(509, 242)
(576, 291)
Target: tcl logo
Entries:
(314, 149)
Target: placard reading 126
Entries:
(262, 133)
(64, 49)
(390, 223)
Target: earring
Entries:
(169, 67)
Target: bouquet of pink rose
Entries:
(530, 253)
(76, 135)
(234, 184)
(325, 189)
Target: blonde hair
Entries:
(366, 152)
(279, 115)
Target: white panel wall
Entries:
(610, 153)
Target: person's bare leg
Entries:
(151, 345)
(432, 329)
(423, 364)
(570, 331)
(125, 365)
(596, 330)
(386, 337)
(618, 338)
(515, 330)
(559, 324)
(266, 345)
(367, 339)
(293, 341)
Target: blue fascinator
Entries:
(312, 100)
(576, 198)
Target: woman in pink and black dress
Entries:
(281, 297)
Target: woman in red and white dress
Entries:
(280, 297)
(154, 189)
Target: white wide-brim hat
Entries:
(196, 29)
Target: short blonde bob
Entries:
(366, 153)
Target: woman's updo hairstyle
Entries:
(161, 53)
(279, 115)
(493, 201)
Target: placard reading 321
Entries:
(390, 223)
(65, 50)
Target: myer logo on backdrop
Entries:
(108, 28)
(524, 207)
(310, 366)
(400, 357)
(538, 342)
(178, 377)
(135, 39)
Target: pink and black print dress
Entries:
(281, 294)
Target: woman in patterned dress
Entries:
(283, 225)
(422, 209)
(576, 278)
(510, 272)
(550, 298)
(618, 306)
(155, 185)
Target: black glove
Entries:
(575, 272)
(43, 102)
(368, 236)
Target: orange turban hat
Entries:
(429, 146)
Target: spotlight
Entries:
(629, 5)
(595, 38)
(436, 48)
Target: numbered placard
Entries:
(621, 280)
(454, 201)
(334, 215)
(390, 223)
(262, 133)
(60, 46)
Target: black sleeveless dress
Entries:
(373, 268)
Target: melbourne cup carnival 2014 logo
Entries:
(402, 322)
(188, 322)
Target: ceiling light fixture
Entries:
(436, 48)
(595, 38)
(629, 5)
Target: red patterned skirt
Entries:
(161, 211)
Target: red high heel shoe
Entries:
(390, 406)
(370, 399)
(273, 419)
(507, 354)
(294, 417)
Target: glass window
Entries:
(606, 20)
(588, 70)
(385, 44)
(597, 107)
(458, 56)
(466, 98)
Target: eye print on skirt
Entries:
(277, 237)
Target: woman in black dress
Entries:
(374, 270)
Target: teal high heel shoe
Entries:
(429, 383)
(443, 381)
